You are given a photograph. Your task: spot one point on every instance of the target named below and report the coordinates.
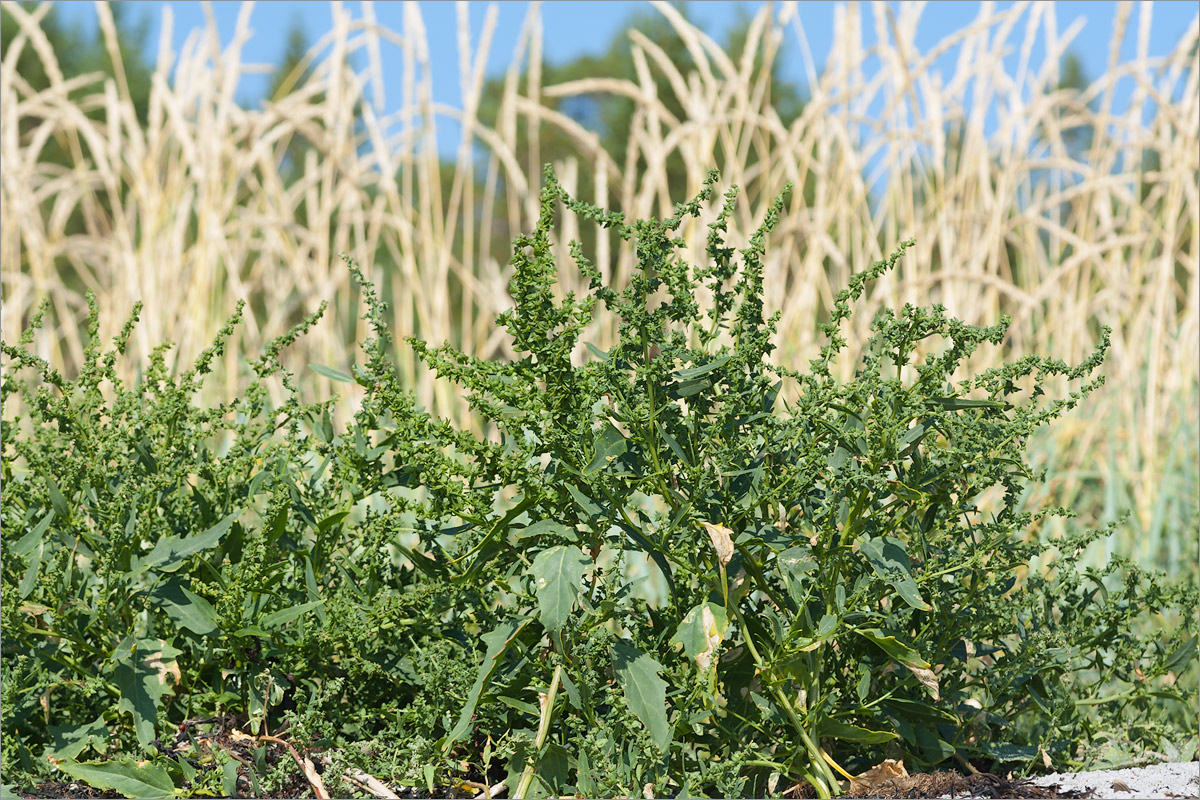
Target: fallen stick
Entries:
(370, 784)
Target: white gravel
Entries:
(1158, 780)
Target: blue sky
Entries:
(586, 27)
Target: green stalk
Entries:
(822, 779)
(543, 730)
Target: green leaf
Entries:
(546, 526)
(170, 551)
(689, 388)
(890, 561)
(695, 372)
(288, 614)
(596, 351)
(899, 651)
(29, 580)
(141, 676)
(71, 740)
(187, 610)
(26, 543)
(331, 373)
(701, 633)
(1011, 752)
(57, 500)
(609, 444)
(126, 777)
(957, 403)
(646, 693)
(586, 503)
(852, 733)
(557, 573)
(675, 448)
(497, 643)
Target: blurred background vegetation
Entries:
(143, 179)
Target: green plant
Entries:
(830, 575)
(847, 576)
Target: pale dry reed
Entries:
(189, 213)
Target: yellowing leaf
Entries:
(701, 633)
(928, 679)
(869, 782)
(722, 540)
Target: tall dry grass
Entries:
(189, 213)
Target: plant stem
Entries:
(543, 730)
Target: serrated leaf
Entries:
(497, 643)
(852, 733)
(701, 633)
(128, 778)
(331, 373)
(645, 692)
(557, 573)
(889, 559)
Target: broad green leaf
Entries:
(545, 526)
(26, 543)
(497, 643)
(1011, 752)
(187, 610)
(71, 740)
(889, 559)
(899, 651)
(675, 448)
(127, 777)
(701, 633)
(171, 550)
(689, 388)
(586, 503)
(29, 580)
(331, 373)
(288, 614)
(704, 369)
(557, 573)
(609, 444)
(852, 733)
(141, 675)
(646, 693)
(57, 500)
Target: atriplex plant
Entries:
(836, 589)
